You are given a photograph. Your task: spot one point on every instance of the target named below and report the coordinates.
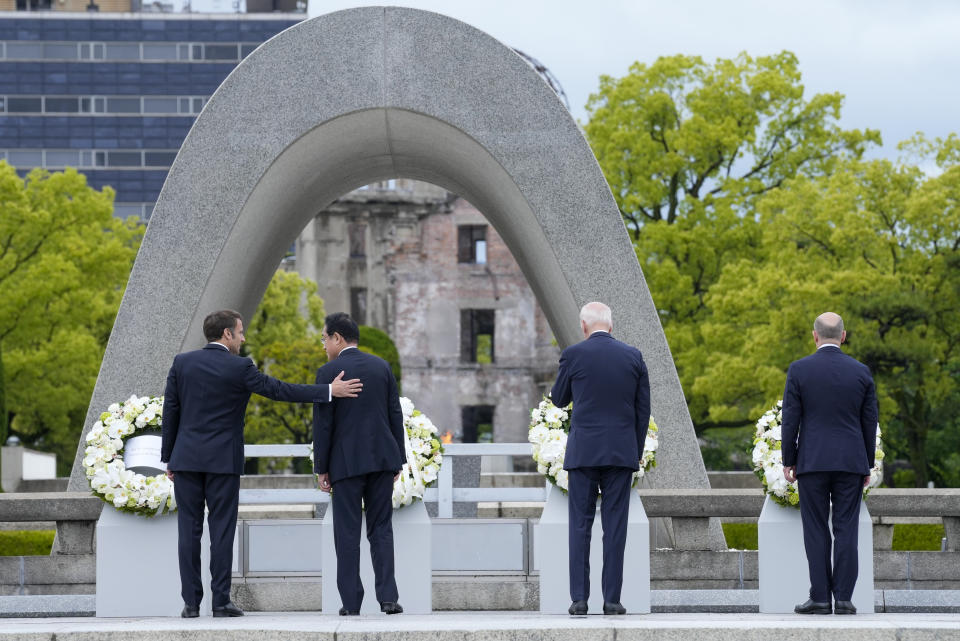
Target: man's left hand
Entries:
(866, 480)
(170, 474)
(323, 482)
(790, 473)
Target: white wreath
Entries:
(423, 452)
(103, 463)
(549, 427)
(768, 460)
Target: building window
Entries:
(477, 423)
(472, 244)
(476, 335)
(358, 240)
(358, 304)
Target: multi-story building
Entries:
(426, 267)
(113, 94)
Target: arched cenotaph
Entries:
(364, 95)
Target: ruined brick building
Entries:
(426, 267)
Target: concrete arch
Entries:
(362, 95)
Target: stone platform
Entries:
(495, 626)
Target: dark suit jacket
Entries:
(354, 436)
(829, 421)
(608, 384)
(204, 405)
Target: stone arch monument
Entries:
(364, 95)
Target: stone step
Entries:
(499, 626)
(306, 597)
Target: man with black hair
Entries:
(358, 450)
(203, 412)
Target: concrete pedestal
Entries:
(784, 576)
(412, 554)
(138, 574)
(553, 560)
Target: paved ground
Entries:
(496, 626)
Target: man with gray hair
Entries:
(829, 432)
(608, 384)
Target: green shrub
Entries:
(377, 342)
(740, 536)
(917, 536)
(906, 536)
(26, 542)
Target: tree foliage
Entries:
(283, 338)
(681, 135)
(752, 212)
(64, 263)
(378, 342)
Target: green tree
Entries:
(878, 243)
(64, 263)
(378, 342)
(682, 135)
(688, 148)
(283, 338)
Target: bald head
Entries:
(828, 328)
(595, 316)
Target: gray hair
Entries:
(595, 313)
(829, 325)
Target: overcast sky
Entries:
(897, 62)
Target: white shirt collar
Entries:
(346, 348)
(219, 345)
(827, 345)
(599, 330)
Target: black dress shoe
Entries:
(578, 608)
(391, 607)
(349, 613)
(613, 608)
(844, 607)
(189, 612)
(813, 607)
(228, 610)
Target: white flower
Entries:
(406, 406)
(555, 415)
(553, 448)
(538, 433)
(775, 433)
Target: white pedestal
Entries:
(412, 555)
(138, 573)
(784, 575)
(553, 559)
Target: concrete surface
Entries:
(496, 626)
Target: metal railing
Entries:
(444, 494)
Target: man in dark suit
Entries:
(829, 435)
(203, 409)
(608, 384)
(358, 449)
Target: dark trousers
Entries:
(817, 491)
(376, 492)
(614, 484)
(221, 494)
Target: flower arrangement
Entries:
(103, 462)
(768, 460)
(424, 454)
(549, 427)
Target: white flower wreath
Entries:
(768, 460)
(103, 463)
(549, 427)
(424, 455)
